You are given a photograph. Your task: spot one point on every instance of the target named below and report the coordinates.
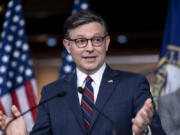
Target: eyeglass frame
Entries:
(75, 40)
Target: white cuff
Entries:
(148, 132)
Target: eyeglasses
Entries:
(82, 42)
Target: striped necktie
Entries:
(87, 102)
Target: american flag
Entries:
(68, 65)
(17, 82)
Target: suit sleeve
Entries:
(42, 125)
(141, 93)
(166, 117)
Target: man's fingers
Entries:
(3, 119)
(145, 118)
(142, 118)
(137, 127)
(15, 111)
(148, 107)
(150, 111)
(148, 101)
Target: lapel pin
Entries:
(110, 81)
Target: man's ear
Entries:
(67, 45)
(107, 42)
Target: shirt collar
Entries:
(97, 76)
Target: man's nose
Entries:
(89, 46)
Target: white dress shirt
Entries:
(96, 77)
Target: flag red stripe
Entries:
(31, 98)
(2, 108)
(15, 100)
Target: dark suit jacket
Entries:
(121, 95)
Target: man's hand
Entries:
(143, 118)
(17, 127)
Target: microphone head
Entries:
(61, 94)
(80, 90)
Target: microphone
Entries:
(60, 94)
(114, 132)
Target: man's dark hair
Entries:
(80, 18)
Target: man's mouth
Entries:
(90, 58)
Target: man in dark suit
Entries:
(124, 97)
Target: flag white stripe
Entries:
(173, 78)
(23, 103)
(7, 103)
(34, 86)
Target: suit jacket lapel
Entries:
(106, 89)
(72, 99)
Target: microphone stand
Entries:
(114, 132)
(61, 94)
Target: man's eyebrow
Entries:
(97, 34)
(79, 36)
(82, 36)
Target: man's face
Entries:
(90, 58)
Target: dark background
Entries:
(142, 22)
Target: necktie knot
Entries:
(88, 79)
